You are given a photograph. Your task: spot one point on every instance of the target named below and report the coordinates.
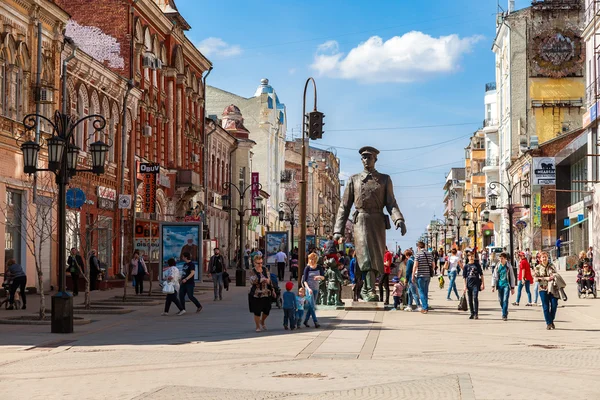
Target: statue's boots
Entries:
(368, 290)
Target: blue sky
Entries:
(378, 65)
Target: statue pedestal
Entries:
(364, 306)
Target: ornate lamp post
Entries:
(240, 273)
(476, 210)
(510, 207)
(62, 162)
(291, 217)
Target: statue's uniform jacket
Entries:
(370, 192)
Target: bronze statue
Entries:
(369, 191)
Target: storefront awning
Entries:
(575, 224)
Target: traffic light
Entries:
(315, 125)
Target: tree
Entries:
(39, 224)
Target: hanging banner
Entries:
(537, 210)
(254, 192)
(149, 171)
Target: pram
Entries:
(275, 283)
(585, 292)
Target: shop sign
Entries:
(575, 209)
(150, 172)
(549, 209)
(593, 112)
(107, 198)
(544, 171)
(586, 119)
(254, 194)
(147, 239)
(537, 210)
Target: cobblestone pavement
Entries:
(356, 354)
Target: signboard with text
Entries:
(149, 171)
(544, 171)
(254, 192)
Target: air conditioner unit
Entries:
(148, 60)
(46, 95)
(195, 158)
(147, 131)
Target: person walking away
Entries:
(474, 283)
(484, 259)
(399, 285)
(503, 280)
(300, 301)
(423, 270)
(313, 275)
(172, 275)
(139, 271)
(188, 284)
(544, 274)
(436, 257)
(309, 306)
(525, 279)
(413, 293)
(94, 264)
(76, 267)
(290, 306)
(261, 291)
(453, 265)
(384, 280)
(590, 255)
(216, 266)
(281, 259)
(441, 260)
(18, 278)
(294, 267)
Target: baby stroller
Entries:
(275, 283)
(581, 291)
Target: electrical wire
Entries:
(394, 150)
(403, 127)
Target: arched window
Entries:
(82, 111)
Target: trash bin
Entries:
(240, 277)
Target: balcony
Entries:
(490, 123)
(491, 164)
(188, 178)
(490, 86)
(591, 11)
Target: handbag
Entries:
(462, 303)
(168, 288)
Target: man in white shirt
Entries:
(281, 258)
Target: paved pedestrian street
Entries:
(355, 355)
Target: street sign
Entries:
(75, 198)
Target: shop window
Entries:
(13, 233)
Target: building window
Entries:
(13, 235)
(488, 112)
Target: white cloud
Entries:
(213, 46)
(407, 58)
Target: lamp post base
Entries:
(240, 277)
(62, 313)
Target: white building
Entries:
(265, 118)
(491, 167)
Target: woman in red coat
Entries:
(525, 279)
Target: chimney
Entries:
(511, 6)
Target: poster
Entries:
(322, 241)
(537, 210)
(311, 242)
(544, 171)
(275, 241)
(177, 238)
(147, 239)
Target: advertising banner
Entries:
(147, 239)
(275, 241)
(311, 242)
(537, 210)
(179, 238)
(150, 172)
(254, 194)
(544, 171)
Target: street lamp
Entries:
(477, 211)
(510, 207)
(291, 208)
(62, 162)
(240, 273)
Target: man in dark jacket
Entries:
(94, 270)
(75, 267)
(216, 266)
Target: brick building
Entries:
(145, 42)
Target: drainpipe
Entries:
(204, 152)
(235, 147)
